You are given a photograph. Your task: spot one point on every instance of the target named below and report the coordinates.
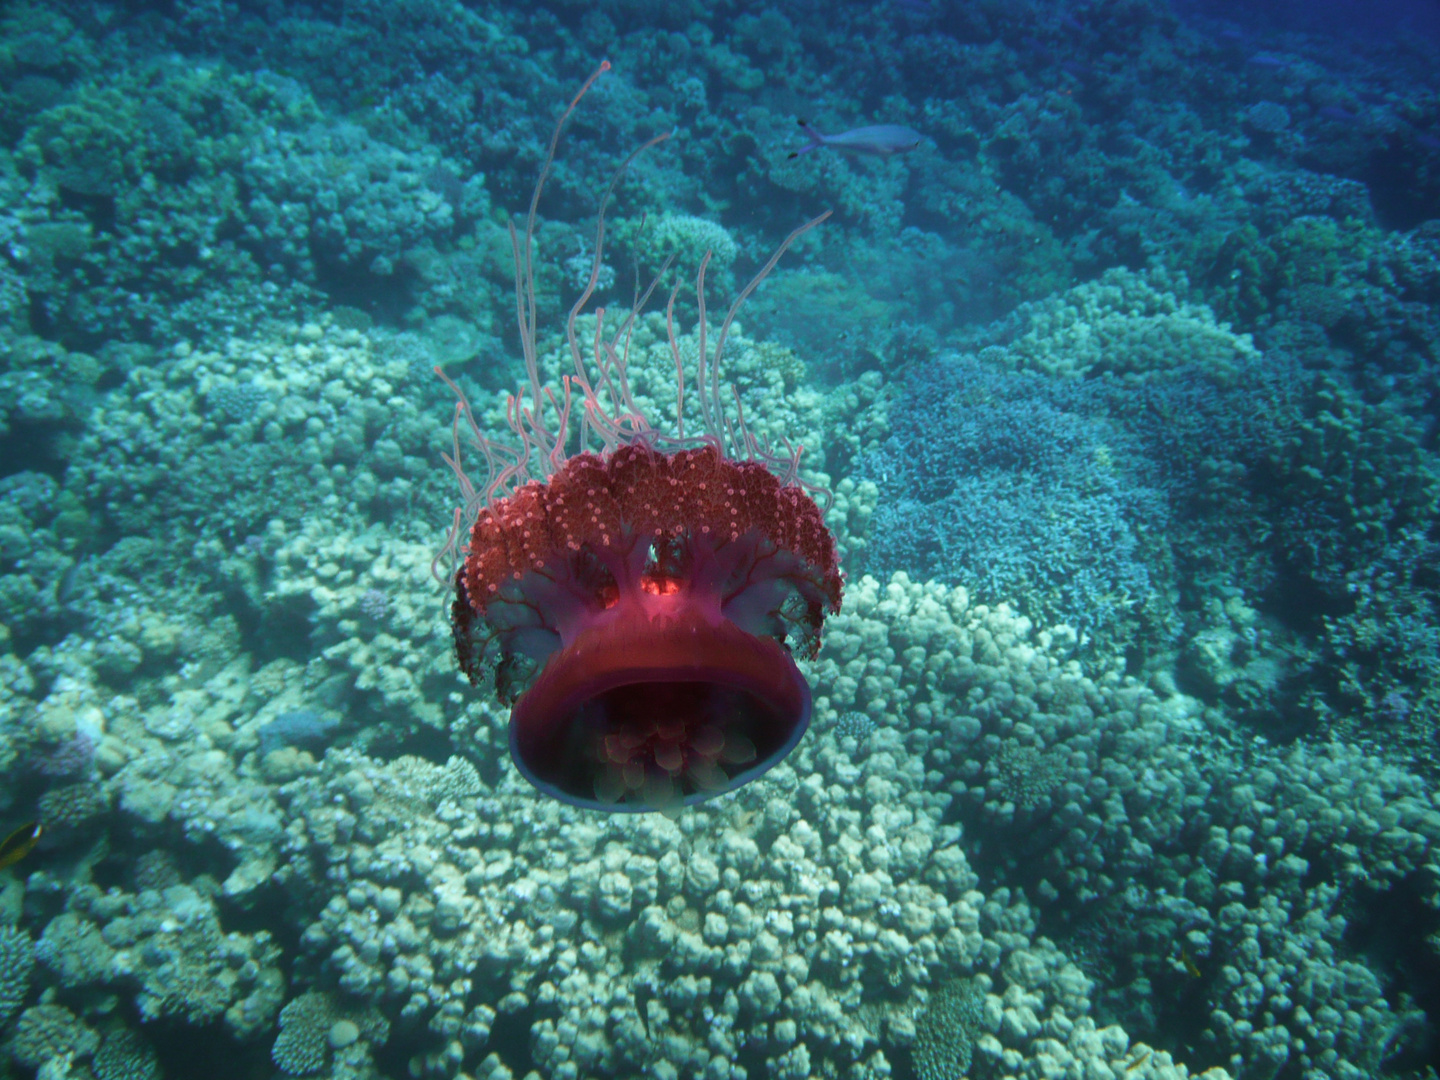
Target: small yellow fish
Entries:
(1140, 1060)
(1190, 968)
(18, 844)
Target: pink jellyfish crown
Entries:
(639, 601)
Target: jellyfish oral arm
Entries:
(659, 704)
(747, 581)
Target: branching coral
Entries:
(946, 1029)
(17, 960)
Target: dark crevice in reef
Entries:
(207, 1053)
(99, 207)
(1384, 927)
(509, 1040)
(428, 743)
(384, 298)
(33, 446)
(1396, 177)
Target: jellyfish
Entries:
(638, 597)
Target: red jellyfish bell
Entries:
(638, 604)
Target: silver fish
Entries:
(878, 140)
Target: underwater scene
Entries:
(730, 540)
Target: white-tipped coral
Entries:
(804, 922)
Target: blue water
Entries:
(1115, 369)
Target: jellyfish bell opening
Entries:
(655, 713)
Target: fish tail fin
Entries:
(816, 140)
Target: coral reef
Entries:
(49, 1034)
(1124, 383)
(168, 949)
(1020, 494)
(125, 1055)
(314, 1029)
(946, 1028)
(795, 927)
(303, 728)
(1124, 324)
(17, 960)
(1127, 783)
